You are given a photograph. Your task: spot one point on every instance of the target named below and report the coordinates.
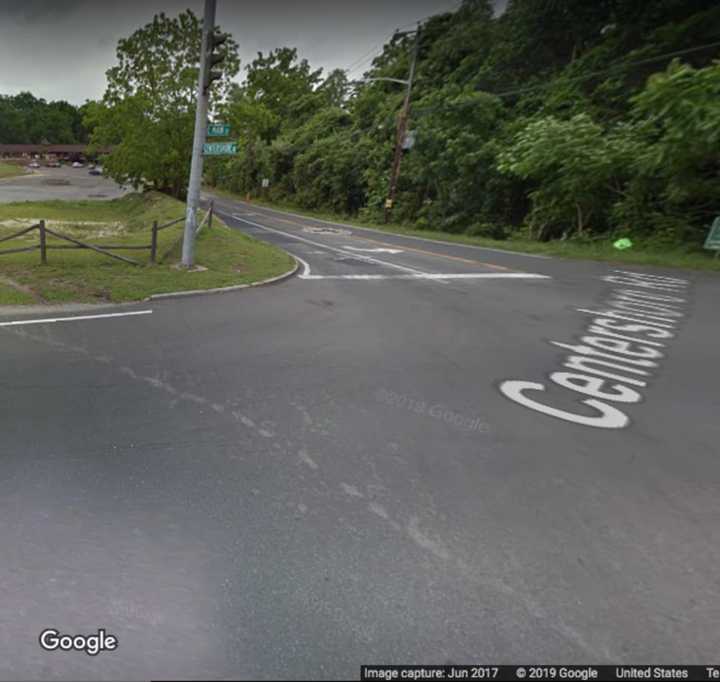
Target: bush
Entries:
(489, 230)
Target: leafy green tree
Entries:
(674, 190)
(148, 109)
(25, 119)
(451, 162)
(329, 162)
(541, 118)
(678, 113)
(335, 89)
(282, 84)
(13, 127)
(279, 94)
(573, 164)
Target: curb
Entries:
(38, 308)
(222, 290)
(52, 308)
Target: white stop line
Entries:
(434, 276)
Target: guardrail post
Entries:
(210, 217)
(153, 242)
(43, 245)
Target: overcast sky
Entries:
(60, 49)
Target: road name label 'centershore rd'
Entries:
(219, 148)
(618, 353)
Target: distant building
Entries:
(70, 152)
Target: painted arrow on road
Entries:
(357, 248)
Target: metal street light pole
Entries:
(401, 129)
(196, 167)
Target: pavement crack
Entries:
(152, 381)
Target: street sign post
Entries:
(218, 129)
(713, 238)
(219, 148)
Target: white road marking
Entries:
(380, 250)
(409, 236)
(652, 309)
(306, 266)
(369, 259)
(436, 276)
(76, 318)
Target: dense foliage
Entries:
(24, 119)
(553, 120)
(148, 110)
(557, 119)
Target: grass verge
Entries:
(10, 170)
(690, 258)
(11, 296)
(85, 276)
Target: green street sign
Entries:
(713, 238)
(219, 148)
(218, 129)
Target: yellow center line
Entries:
(410, 248)
(440, 255)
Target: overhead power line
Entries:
(614, 67)
(363, 58)
(619, 66)
(369, 54)
(450, 10)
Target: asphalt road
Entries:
(65, 183)
(294, 480)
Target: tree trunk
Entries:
(580, 224)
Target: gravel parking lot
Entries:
(59, 183)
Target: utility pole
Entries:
(196, 167)
(401, 130)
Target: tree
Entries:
(678, 114)
(148, 109)
(674, 190)
(452, 163)
(13, 123)
(335, 89)
(573, 163)
(278, 91)
(542, 117)
(25, 119)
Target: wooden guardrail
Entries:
(206, 220)
(103, 249)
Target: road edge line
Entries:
(72, 318)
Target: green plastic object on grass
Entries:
(622, 244)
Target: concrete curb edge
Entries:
(222, 290)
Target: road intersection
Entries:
(295, 480)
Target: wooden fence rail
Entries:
(103, 249)
(208, 217)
